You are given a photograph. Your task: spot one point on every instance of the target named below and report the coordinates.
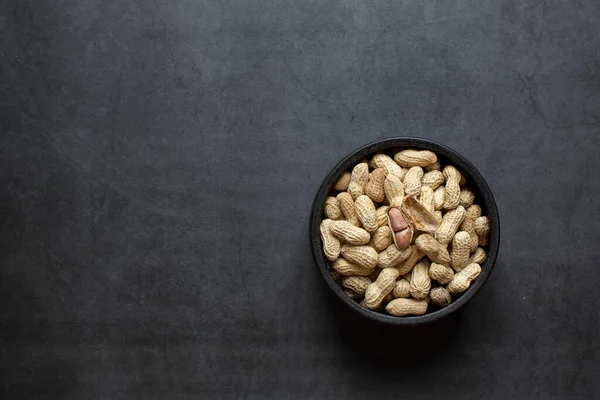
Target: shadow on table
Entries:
(389, 346)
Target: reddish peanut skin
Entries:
(402, 239)
(402, 233)
(397, 222)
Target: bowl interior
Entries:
(446, 155)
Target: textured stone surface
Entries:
(157, 166)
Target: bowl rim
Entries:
(464, 165)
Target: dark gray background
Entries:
(158, 163)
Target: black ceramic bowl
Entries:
(446, 155)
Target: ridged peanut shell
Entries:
(347, 205)
(377, 290)
(382, 217)
(439, 297)
(413, 258)
(441, 273)
(358, 284)
(392, 256)
(366, 213)
(478, 257)
(466, 198)
(358, 180)
(331, 244)
(450, 224)
(452, 197)
(374, 186)
(433, 179)
(433, 249)
(426, 198)
(365, 256)
(439, 196)
(343, 181)
(462, 280)
(460, 250)
(394, 190)
(388, 165)
(415, 158)
(401, 289)
(412, 181)
(471, 214)
(404, 307)
(346, 268)
(350, 233)
(332, 209)
(382, 238)
(482, 227)
(420, 282)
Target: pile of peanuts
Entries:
(403, 234)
